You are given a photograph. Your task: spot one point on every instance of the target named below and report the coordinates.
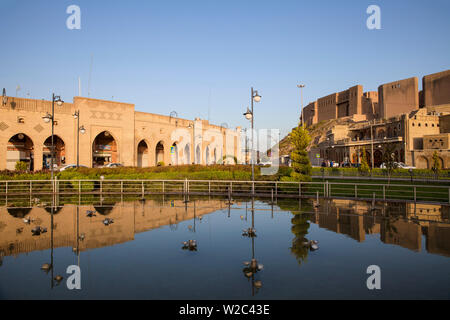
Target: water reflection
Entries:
(144, 241)
(402, 224)
(86, 230)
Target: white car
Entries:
(113, 165)
(399, 165)
(71, 166)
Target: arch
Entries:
(142, 156)
(377, 158)
(19, 212)
(56, 209)
(104, 210)
(20, 148)
(104, 149)
(207, 155)
(59, 156)
(174, 154)
(422, 163)
(187, 154)
(198, 155)
(215, 156)
(159, 153)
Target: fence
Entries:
(274, 189)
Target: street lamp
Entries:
(191, 126)
(249, 115)
(81, 129)
(51, 117)
(301, 86)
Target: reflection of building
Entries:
(410, 124)
(115, 132)
(352, 219)
(129, 219)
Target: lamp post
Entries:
(301, 86)
(249, 115)
(51, 117)
(191, 126)
(81, 129)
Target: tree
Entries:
(364, 169)
(436, 164)
(300, 139)
(389, 160)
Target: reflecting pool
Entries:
(243, 249)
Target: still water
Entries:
(140, 255)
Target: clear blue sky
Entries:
(187, 55)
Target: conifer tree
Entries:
(300, 139)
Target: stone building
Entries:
(412, 125)
(114, 133)
(412, 138)
(392, 99)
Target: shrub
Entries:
(21, 166)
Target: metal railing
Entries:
(274, 189)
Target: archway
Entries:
(422, 163)
(142, 157)
(20, 148)
(187, 154)
(19, 212)
(215, 156)
(159, 154)
(174, 154)
(104, 150)
(377, 158)
(198, 159)
(207, 155)
(59, 154)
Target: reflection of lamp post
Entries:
(51, 117)
(81, 129)
(252, 267)
(249, 115)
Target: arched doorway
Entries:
(187, 154)
(104, 150)
(20, 148)
(142, 157)
(59, 154)
(422, 163)
(159, 154)
(377, 158)
(215, 156)
(198, 159)
(174, 154)
(207, 155)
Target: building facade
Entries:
(114, 133)
(391, 99)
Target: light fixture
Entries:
(82, 130)
(248, 115)
(106, 134)
(75, 115)
(58, 101)
(257, 97)
(47, 118)
(20, 136)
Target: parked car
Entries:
(113, 165)
(71, 166)
(398, 165)
(401, 165)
